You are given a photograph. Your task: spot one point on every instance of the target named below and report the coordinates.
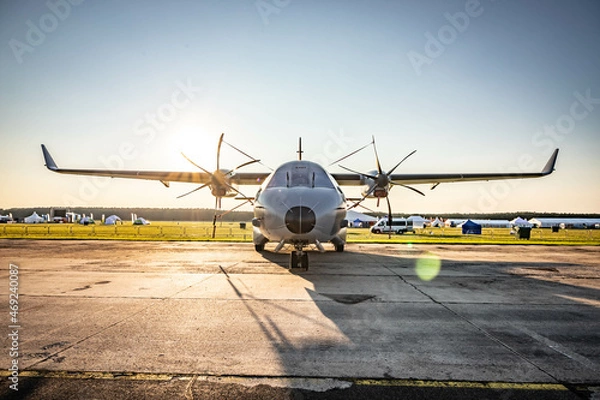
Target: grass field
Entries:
(231, 231)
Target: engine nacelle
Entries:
(364, 180)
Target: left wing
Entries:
(435, 179)
(240, 178)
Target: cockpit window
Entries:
(321, 179)
(300, 175)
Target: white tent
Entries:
(141, 221)
(86, 221)
(418, 221)
(520, 222)
(355, 218)
(112, 220)
(33, 219)
(437, 223)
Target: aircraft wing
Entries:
(165, 177)
(435, 179)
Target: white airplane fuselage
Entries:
(300, 204)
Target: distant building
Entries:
(485, 223)
(568, 223)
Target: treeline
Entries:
(151, 214)
(502, 215)
(507, 215)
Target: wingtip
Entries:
(549, 167)
(50, 164)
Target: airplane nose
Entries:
(300, 219)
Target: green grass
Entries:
(231, 231)
(488, 236)
(127, 231)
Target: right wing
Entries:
(435, 179)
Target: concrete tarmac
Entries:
(183, 320)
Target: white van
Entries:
(399, 226)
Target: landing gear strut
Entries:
(298, 257)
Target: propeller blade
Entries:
(351, 154)
(389, 216)
(377, 156)
(404, 159)
(214, 221)
(359, 173)
(248, 199)
(247, 155)
(240, 151)
(367, 208)
(219, 150)
(241, 166)
(196, 165)
(364, 197)
(192, 191)
(408, 187)
(233, 209)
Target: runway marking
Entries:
(137, 376)
(460, 384)
(127, 376)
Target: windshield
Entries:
(300, 174)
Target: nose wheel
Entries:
(299, 258)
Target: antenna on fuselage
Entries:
(300, 149)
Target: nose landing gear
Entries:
(299, 257)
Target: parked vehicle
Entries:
(399, 226)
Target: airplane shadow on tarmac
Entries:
(413, 315)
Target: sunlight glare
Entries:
(428, 267)
(196, 144)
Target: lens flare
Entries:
(428, 267)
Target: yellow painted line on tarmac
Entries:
(137, 376)
(460, 384)
(129, 376)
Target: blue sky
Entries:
(472, 85)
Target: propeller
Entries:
(382, 182)
(219, 180)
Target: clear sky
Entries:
(474, 86)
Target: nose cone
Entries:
(300, 220)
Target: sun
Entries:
(197, 144)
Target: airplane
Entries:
(300, 203)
